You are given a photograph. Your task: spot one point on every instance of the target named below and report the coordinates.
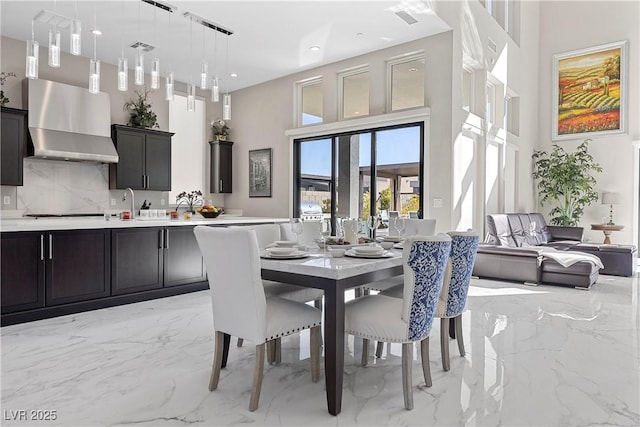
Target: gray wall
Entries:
(567, 26)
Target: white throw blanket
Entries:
(567, 259)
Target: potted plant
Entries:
(140, 113)
(220, 129)
(191, 199)
(3, 77)
(566, 179)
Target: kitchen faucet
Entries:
(133, 204)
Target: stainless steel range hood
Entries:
(69, 123)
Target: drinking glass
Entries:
(296, 228)
(400, 225)
(325, 231)
(373, 223)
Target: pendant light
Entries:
(54, 47)
(139, 65)
(204, 67)
(226, 99)
(123, 66)
(169, 81)
(94, 64)
(155, 64)
(33, 50)
(76, 31)
(191, 89)
(215, 84)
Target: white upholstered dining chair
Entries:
(406, 320)
(310, 232)
(266, 234)
(239, 304)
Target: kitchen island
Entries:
(57, 266)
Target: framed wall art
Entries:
(260, 173)
(589, 96)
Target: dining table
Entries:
(334, 276)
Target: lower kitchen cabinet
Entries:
(77, 265)
(183, 262)
(22, 268)
(152, 258)
(136, 259)
(50, 268)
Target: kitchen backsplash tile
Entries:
(52, 186)
(59, 186)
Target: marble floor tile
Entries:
(540, 356)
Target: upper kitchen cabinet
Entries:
(145, 159)
(13, 145)
(221, 167)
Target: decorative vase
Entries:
(221, 137)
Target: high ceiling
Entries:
(270, 39)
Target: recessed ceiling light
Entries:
(314, 48)
(413, 70)
(96, 32)
(233, 75)
(359, 34)
(387, 39)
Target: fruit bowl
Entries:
(210, 214)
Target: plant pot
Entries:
(221, 137)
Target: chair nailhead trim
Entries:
(377, 338)
(287, 333)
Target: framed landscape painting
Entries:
(260, 173)
(589, 92)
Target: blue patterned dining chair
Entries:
(407, 320)
(453, 298)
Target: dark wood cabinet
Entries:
(12, 145)
(183, 262)
(221, 174)
(22, 265)
(153, 258)
(136, 259)
(77, 265)
(50, 268)
(145, 159)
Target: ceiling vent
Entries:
(405, 16)
(143, 46)
(52, 18)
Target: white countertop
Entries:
(42, 224)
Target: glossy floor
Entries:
(543, 356)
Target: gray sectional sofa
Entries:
(522, 247)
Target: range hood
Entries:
(69, 123)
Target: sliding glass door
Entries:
(359, 174)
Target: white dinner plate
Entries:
(368, 250)
(294, 255)
(353, 254)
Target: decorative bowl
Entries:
(285, 243)
(209, 214)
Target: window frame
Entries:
(408, 57)
(300, 85)
(350, 73)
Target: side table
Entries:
(607, 229)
